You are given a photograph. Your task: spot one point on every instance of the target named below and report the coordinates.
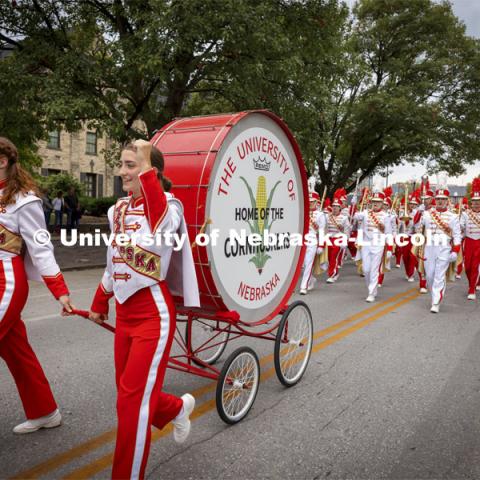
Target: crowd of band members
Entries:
(451, 233)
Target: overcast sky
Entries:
(469, 12)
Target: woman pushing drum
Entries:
(25, 253)
(143, 277)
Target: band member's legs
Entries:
(139, 386)
(308, 265)
(33, 387)
(472, 262)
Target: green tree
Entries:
(113, 63)
(400, 87)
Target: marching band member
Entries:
(316, 224)
(375, 225)
(21, 220)
(338, 226)
(443, 225)
(392, 218)
(470, 222)
(409, 260)
(460, 208)
(142, 279)
(428, 203)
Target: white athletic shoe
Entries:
(303, 291)
(181, 423)
(410, 279)
(477, 288)
(370, 299)
(331, 280)
(472, 296)
(397, 265)
(458, 277)
(423, 290)
(435, 308)
(52, 420)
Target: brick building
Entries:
(81, 154)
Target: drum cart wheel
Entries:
(293, 343)
(207, 340)
(237, 385)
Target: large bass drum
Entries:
(238, 174)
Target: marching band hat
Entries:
(442, 193)
(378, 197)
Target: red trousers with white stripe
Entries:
(32, 385)
(145, 328)
(471, 259)
(409, 260)
(334, 257)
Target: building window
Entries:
(90, 182)
(54, 140)
(91, 143)
(46, 172)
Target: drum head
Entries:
(256, 186)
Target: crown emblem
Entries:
(262, 164)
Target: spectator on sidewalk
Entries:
(72, 207)
(47, 206)
(58, 206)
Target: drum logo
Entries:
(261, 221)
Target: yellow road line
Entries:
(104, 462)
(109, 436)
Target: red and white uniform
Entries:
(440, 225)
(470, 223)
(417, 227)
(143, 278)
(19, 223)
(337, 226)
(373, 246)
(316, 225)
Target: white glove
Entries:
(319, 250)
(354, 200)
(421, 207)
(452, 257)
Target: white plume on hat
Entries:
(312, 181)
(442, 181)
(377, 185)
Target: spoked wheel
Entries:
(237, 385)
(293, 344)
(207, 343)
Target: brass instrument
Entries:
(323, 198)
(405, 215)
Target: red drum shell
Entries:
(190, 146)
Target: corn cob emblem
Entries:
(261, 202)
(262, 206)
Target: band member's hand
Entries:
(97, 317)
(66, 304)
(453, 257)
(319, 250)
(144, 150)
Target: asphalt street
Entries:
(391, 391)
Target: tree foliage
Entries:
(391, 82)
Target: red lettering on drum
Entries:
(247, 292)
(228, 172)
(290, 187)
